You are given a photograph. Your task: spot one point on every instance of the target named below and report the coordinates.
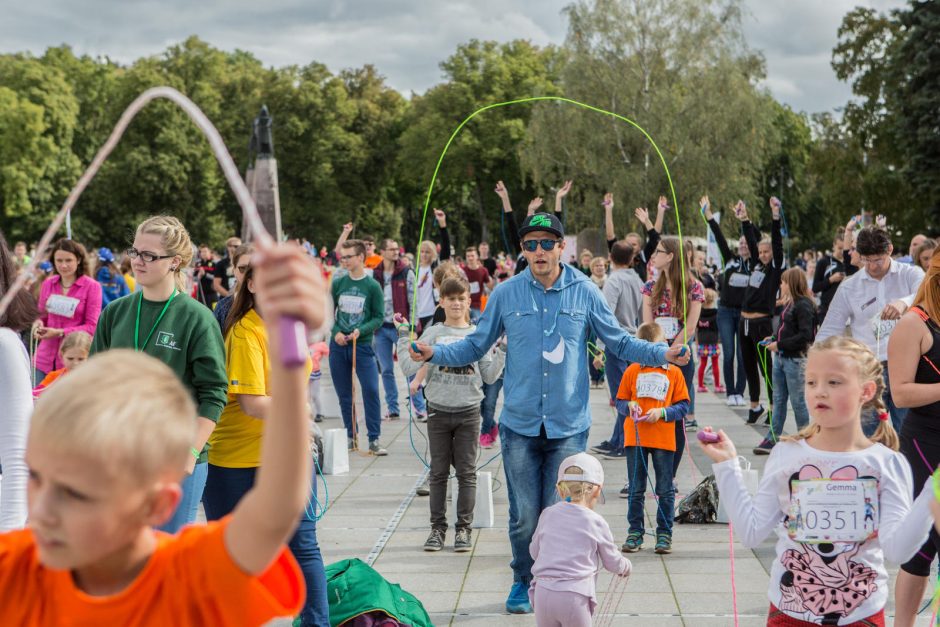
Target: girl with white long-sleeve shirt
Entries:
(16, 396)
(839, 503)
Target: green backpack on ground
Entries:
(355, 588)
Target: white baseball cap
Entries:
(591, 470)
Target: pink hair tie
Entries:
(883, 416)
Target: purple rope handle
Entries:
(293, 333)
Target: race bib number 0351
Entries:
(833, 510)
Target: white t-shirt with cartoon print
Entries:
(830, 577)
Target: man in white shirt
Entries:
(871, 301)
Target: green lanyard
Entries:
(137, 346)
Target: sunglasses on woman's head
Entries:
(531, 245)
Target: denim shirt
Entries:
(546, 376)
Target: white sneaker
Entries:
(732, 400)
(740, 402)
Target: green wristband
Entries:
(936, 484)
(195, 452)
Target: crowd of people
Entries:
(847, 339)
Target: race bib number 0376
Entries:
(833, 510)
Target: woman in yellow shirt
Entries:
(235, 444)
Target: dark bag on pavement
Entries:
(700, 505)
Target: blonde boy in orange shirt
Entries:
(653, 398)
(106, 451)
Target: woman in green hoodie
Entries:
(164, 322)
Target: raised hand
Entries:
(347, 228)
(608, 201)
(740, 211)
(534, 204)
(501, 190)
(853, 222)
(441, 218)
(563, 191)
(643, 215)
(775, 206)
(881, 221)
(662, 205)
(705, 207)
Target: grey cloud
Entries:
(404, 39)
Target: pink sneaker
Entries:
(486, 440)
(494, 433)
(720, 389)
(701, 389)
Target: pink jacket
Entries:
(88, 293)
(318, 351)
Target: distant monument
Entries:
(261, 177)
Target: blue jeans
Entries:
(386, 339)
(870, 418)
(531, 467)
(368, 375)
(638, 471)
(615, 367)
(688, 373)
(226, 487)
(788, 382)
(728, 319)
(488, 406)
(193, 486)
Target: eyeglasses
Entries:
(347, 257)
(531, 245)
(146, 256)
(660, 251)
(873, 261)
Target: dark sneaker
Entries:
(421, 417)
(663, 544)
(625, 491)
(318, 418)
(518, 600)
(462, 542)
(603, 447)
(691, 425)
(435, 541)
(764, 448)
(754, 414)
(621, 454)
(376, 448)
(393, 416)
(424, 489)
(633, 543)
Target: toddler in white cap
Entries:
(570, 545)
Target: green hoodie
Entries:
(188, 340)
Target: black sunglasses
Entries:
(531, 245)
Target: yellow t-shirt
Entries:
(236, 440)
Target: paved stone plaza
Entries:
(690, 587)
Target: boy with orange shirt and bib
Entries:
(653, 398)
(107, 449)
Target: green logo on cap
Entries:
(540, 221)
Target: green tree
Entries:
(681, 70)
(487, 149)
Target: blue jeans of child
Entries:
(368, 375)
(488, 406)
(386, 339)
(870, 417)
(688, 373)
(728, 319)
(638, 470)
(193, 486)
(225, 487)
(615, 367)
(531, 467)
(788, 383)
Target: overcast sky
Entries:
(404, 39)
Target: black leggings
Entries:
(928, 443)
(750, 332)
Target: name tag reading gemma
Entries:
(61, 305)
(738, 279)
(351, 304)
(833, 510)
(652, 385)
(669, 325)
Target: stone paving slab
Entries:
(690, 587)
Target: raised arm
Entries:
(609, 219)
(652, 235)
(776, 235)
(441, 218)
(661, 207)
(723, 248)
(560, 200)
(747, 229)
(290, 284)
(347, 229)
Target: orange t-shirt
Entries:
(373, 261)
(189, 580)
(52, 376)
(652, 386)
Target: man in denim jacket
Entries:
(546, 313)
